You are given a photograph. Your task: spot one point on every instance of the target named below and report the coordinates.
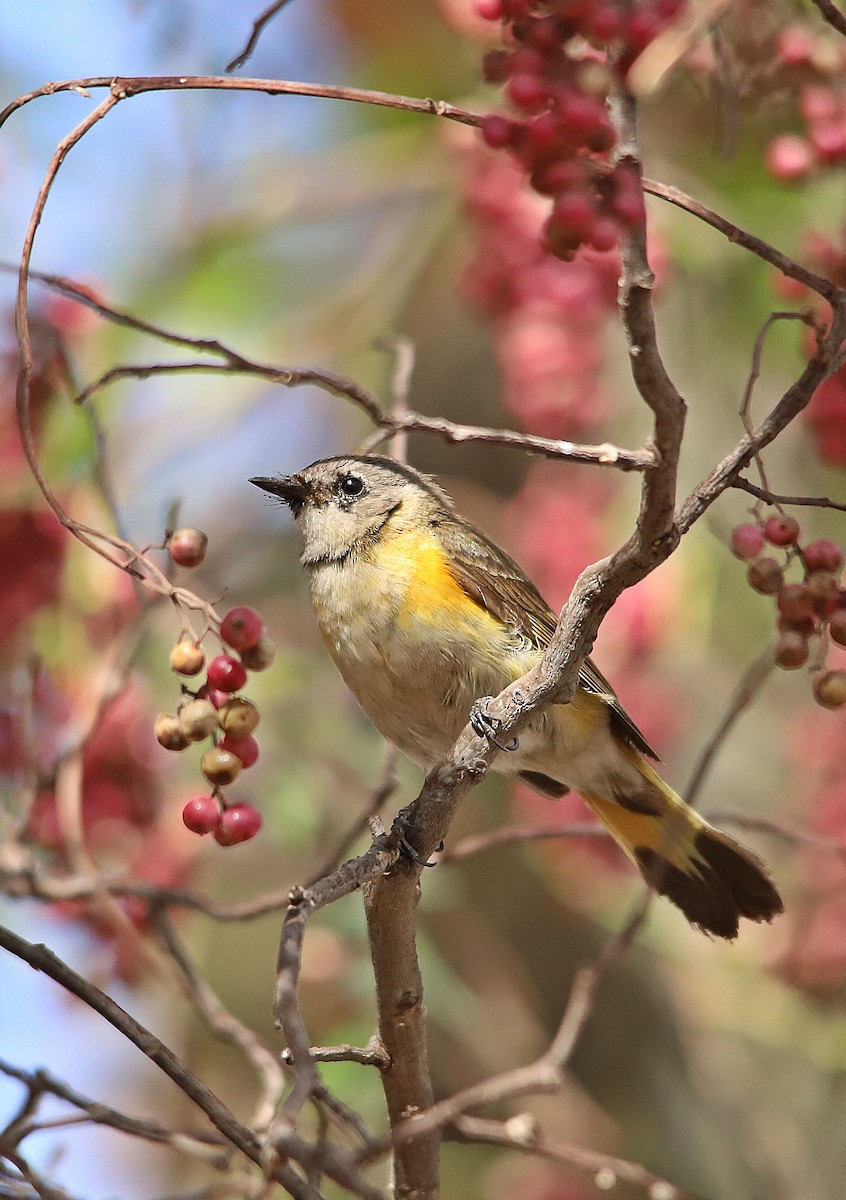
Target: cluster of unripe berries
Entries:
(813, 607)
(214, 712)
(557, 74)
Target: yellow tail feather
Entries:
(710, 876)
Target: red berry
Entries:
(497, 131)
(245, 748)
(489, 10)
(765, 576)
(789, 158)
(526, 91)
(573, 215)
(241, 628)
(837, 627)
(604, 234)
(495, 66)
(828, 138)
(747, 541)
(561, 176)
(791, 651)
(237, 824)
(605, 23)
(818, 103)
(781, 531)
(187, 547)
(226, 673)
(823, 555)
(201, 814)
(796, 602)
(795, 46)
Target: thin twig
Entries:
(252, 41)
(127, 87)
(745, 485)
(832, 14)
(522, 1133)
(224, 1023)
(755, 373)
(210, 1147)
(750, 685)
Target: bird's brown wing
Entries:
(496, 583)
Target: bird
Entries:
(424, 615)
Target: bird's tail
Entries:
(710, 876)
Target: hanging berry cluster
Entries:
(811, 610)
(557, 75)
(213, 712)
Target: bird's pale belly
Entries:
(417, 675)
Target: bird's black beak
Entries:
(289, 489)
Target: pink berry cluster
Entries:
(810, 67)
(214, 712)
(825, 416)
(811, 609)
(557, 74)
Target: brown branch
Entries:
(380, 796)
(786, 833)
(750, 685)
(371, 1055)
(832, 14)
(210, 1147)
(259, 24)
(303, 902)
(776, 498)
(126, 87)
(808, 318)
(787, 408)
(389, 424)
(546, 1074)
(224, 1023)
(481, 843)
(748, 241)
(522, 1133)
(40, 958)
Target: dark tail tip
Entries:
(724, 883)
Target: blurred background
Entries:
(300, 232)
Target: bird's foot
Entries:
(487, 727)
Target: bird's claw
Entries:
(487, 726)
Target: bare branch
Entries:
(521, 1133)
(43, 959)
(481, 843)
(832, 14)
(794, 400)
(224, 1023)
(126, 87)
(748, 241)
(258, 28)
(210, 1147)
(776, 498)
(371, 1055)
(750, 685)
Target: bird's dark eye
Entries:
(350, 485)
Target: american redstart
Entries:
(423, 615)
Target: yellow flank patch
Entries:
(432, 594)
